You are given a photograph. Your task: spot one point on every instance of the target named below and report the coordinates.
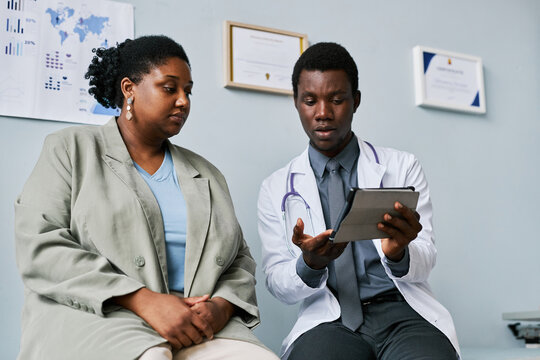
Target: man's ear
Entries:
(126, 85)
(357, 97)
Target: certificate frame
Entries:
(448, 80)
(250, 71)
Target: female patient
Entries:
(128, 245)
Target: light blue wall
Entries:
(483, 170)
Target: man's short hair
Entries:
(325, 56)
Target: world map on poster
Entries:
(46, 47)
(67, 24)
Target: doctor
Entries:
(366, 299)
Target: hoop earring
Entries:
(129, 115)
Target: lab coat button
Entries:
(69, 302)
(220, 261)
(139, 261)
(76, 304)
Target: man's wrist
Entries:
(311, 277)
(397, 257)
(399, 268)
(313, 264)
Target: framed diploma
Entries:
(259, 58)
(448, 80)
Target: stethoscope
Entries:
(293, 192)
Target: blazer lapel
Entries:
(196, 191)
(119, 161)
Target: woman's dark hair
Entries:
(325, 56)
(132, 59)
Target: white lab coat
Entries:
(396, 169)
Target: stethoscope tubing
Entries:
(293, 192)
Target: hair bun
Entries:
(103, 75)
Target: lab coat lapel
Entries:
(196, 191)
(119, 161)
(306, 185)
(370, 173)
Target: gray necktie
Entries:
(347, 286)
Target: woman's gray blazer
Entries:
(88, 228)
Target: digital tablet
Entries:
(365, 208)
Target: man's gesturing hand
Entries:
(318, 250)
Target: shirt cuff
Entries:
(399, 268)
(311, 277)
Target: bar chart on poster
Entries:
(45, 49)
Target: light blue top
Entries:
(164, 185)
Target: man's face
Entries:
(326, 104)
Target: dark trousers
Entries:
(391, 331)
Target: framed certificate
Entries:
(259, 58)
(448, 80)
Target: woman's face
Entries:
(161, 100)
